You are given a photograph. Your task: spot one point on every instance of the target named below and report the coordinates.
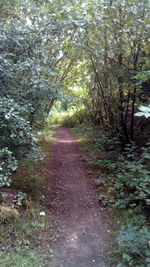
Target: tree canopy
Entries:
(93, 54)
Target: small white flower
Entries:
(42, 213)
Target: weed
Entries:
(24, 233)
(21, 197)
(133, 245)
(125, 176)
(23, 258)
(20, 239)
(48, 133)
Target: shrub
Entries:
(70, 122)
(130, 181)
(8, 165)
(133, 245)
(16, 133)
(132, 185)
(16, 139)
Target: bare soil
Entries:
(85, 238)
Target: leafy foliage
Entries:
(15, 129)
(144, 111)
(112, 66)
(133, 186)
(133, 243)
(124, 185)
(29, 77)
(130, 180)
(8, 165)
(92, 56)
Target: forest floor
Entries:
(85, 235)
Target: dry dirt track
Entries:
(85, 240)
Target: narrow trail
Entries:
(85, 240)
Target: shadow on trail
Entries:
(85, 238)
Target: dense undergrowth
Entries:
(86, 54)
(23, 216)
(125, 175)
(123, 185)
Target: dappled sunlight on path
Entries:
(66, 141)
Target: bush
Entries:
(70, 122)
(16, 133)
(130, 181)
(16, 139)
(8, 165)
(133, 185)
(133, 244)
(127, 186)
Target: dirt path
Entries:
(85, 239)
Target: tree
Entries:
(112, 38)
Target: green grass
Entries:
(22, 232)
(21, 240)
(49, 132)
(21, 259)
